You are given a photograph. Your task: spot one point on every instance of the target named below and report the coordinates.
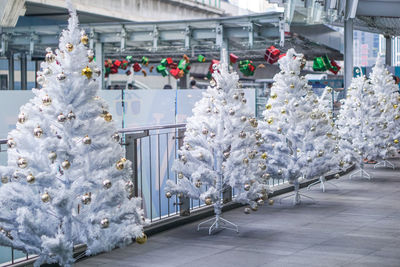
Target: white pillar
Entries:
(348, 52)
(388, 54)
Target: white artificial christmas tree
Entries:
(67, 181)
(220, 150)
(387, 93)
(297, 133)
(358, 124)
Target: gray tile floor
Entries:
(357, 225)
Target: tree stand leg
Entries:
(297, 195)
(361, 173)
(218, 223)
(323, 182)
(385, 163)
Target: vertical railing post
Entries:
(184, 202)
(227, 194)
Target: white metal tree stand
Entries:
(297, 195)
(385, 163)
(217, 222)
(323, 182)
(361, 172)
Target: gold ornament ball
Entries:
(247, 187)
(65, 164)
(50, 57)
(247, 210)
(204, 131)
(21, 118)
(337, 175)
(38, 132)
(71, 116)
(104, 223)
(84, 39)
(270, 120)
(266, 176)
(87, 72)
(30, 178)
(61, 118)
(52, 156)
(271, 202)
(22, 163)
(260, 202)
(283, 111)
(168, 195)
(395, 106)
(11, 143)
(274, 96)
(46, 100)
(108, 117)
(120, 165)
(180, 175)
(313, 128)
(243, 118)
(45, 197)
(87, 140)
(208, 201)
(245, 160)
(264, 155)
(107, 184)
(286, 101)
(61, 76)
(292, 86)
(280, 172)
(141, 239)
(396, 141)
(268, 106)
(320, 153)
(86, 198)
(262, 166)
(242, 134)
(198, 184)
(341, 163)
(69, 47)
(4, 179)
(397, 117)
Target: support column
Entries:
(37, 68)
(221, 42)
(11, 71)
(24, 72)
(348, 53)
(388, 54)
(99, 53)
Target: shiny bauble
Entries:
(396, 141)
(242, 134)
(320, 153)
(257, 135)
(61, 118)
(252, 154)
(292, 86)
(312, 128)
(180, 175)
(244, 101)
(129, 185)
(198, 184)
(4, 179)
(309, 159)
(268, 106)
(97, 71)
(107, 184)
(270, 120)
(208, 201)
(16, 174)
(204, 131)
(21, 118)
(41, 79)
(341, 163)
(271, 202)
(246, 187)
(86, 198)
(262, 166)
(45, 197)
(116, 137)
(84, 39)
(235, 96)
(30, 178)
(108, 117)
(279, 130)
(397, 117)
(254, 207)
(71, 116)
(69, 47)
(247, 210)
(168, 195)
(52, 156)
(11, 143)
(245, 160)
(293, 73)
(243, 118)
(141, 239)
(65, 164)
(87, 72)
(22, 163)
(231, 112)
(50, 57)
(61, 77)
(280, 172)
(90, 55)
(200, 156)
(227, 154)
(213, 83)
(283, 111)
(260, 202)
(286, 101)
(337, 176)
(87, 140)
(104, 223)
(266, 176)
(208, 110)
(183, 158)
(274, 96)
(38, 132)
(212, 135)
(46, 100)
(120, 165)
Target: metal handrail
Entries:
(150, 128)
